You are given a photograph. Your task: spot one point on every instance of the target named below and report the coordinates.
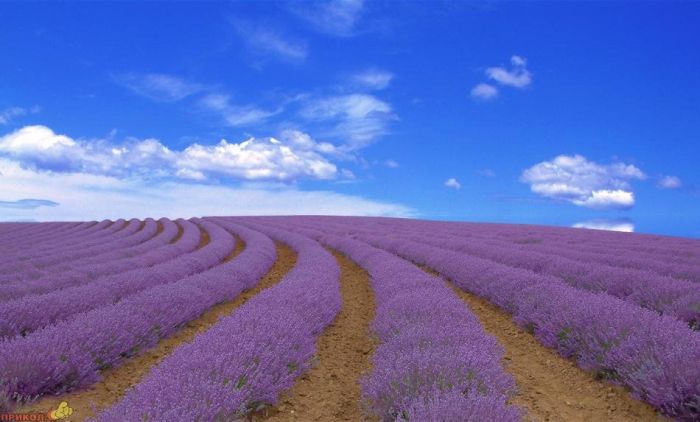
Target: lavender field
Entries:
(347, 318)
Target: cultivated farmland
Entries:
(347, 318)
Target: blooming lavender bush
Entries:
(30, 257)
(435, 361)
(663, 294)
(71, 354)
(274, 338)
(29, 313)
(619, 341)
(187, 243)
(66, 260)
(27, 248)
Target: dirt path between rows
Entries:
(551, 388)
(330, 391)
(116, 381)
(180, 232)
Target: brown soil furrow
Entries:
(330, 391)
(159, 229)
(117, 380)
(240, 246)
(179, 234)
(550, 387)
(204, 238)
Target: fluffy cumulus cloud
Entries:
(453, 183)
(574, 179)
(484, 92)
(373, 79)
(82, 196)
(356, 119)
(617, 225)
(517, 76)
(669, 182)
(296, 156)
(158, 87)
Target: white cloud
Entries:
(265, 41)
(334, 17)
(236, 115)
(27, 204)
(7, 115)
(81, 196)
(288, 160)
(518, 76)
(392, 164)
(373, 79)
(158, 87)
(358, 119)
(453, 183)
(669, 182)
(621, 225)
(584, 183)
(484, 91)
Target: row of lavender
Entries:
(655, 356)
(248, 358)
(133, 234)
(622, 249)
(71, 353)
(91, 268)
(435, 362)
(31, 233)
(674, 264)
(652, 246)
(27, 251)
(130, 276)
(666, 295)
(34, 259)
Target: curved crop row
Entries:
(24, 232)
(138, 233)
(91, 266)
(25, 247)
(36, 233)
(654, 356)
(128, 236)
(643, 250)
(668, 296)
(435, 361)
(30, 313)
(32, 253)
(273, 335)
(615, 254)
(186, 244)
(71, 354)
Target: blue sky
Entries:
(558, 113)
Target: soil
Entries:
(551, 388)
(204, 238)
(330, 391)
(180, 231)
(116, 381)
(159, 229)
